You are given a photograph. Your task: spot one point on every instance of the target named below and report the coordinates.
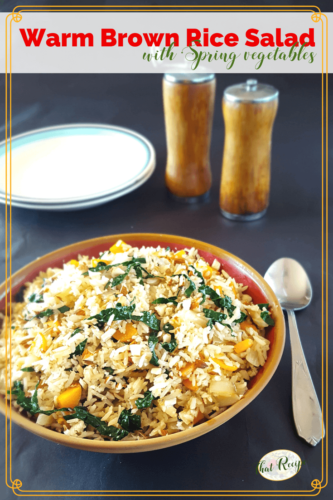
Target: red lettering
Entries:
(279, 42)
(64, 37)
(135, 39)
(310, 36)
(53, 40)
(205, 37)
(108, 38)
(213, 40)
(82, 37)
(33, 36)
(153, 39)
(175, 40)
(231, 39)
(121, 37)
(291, 39)
(192, 36)
(267, 40)
(254, 40)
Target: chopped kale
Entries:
(123, 313)
(44, 314)
(265, 315)
(102, 427)
(168, 327)
(77, 330)
(267, 318)
(215, 317)
(30, 404)
(221, 302)
(146, 401)
(101, 266)
(63, 309)
(79, 349)
(164, 300)
(152, 341)
(28, 369)
(36, 298)
(128, 421)
(198, 273)
(134, 263)
(242, 318)
(262, 306)
(120, 313)
(109, 370)
(170, 346)
(191, 288)
(149, 319)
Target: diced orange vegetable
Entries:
(188, 384)
(164, 432)
(54, 325)
(208, 272)
(80, 312)
(187, 370)
(70, 397)
(124, 290)
(248, 324)
(125, 337)
(179, 256)
(232, 285)
(224, 366)
(74, 262)
(62, 421)
(198, 418)
(39, 343)
(218, 289)
(195, 303)
(118, 247)
(86, 354)
(242, 346)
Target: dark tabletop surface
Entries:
(226, 458)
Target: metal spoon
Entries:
(292, 286)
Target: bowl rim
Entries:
(179, 437)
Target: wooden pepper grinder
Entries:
(188, 108)
(249, 110)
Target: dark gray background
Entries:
(225, 458)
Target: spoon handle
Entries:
(306, 408)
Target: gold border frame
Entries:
(16, 16)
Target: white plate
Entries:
(75, 166)
(81, 205)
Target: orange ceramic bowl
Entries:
(242, 272)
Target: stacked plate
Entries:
(73, 167)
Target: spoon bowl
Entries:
(290, 283)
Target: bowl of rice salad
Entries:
(136, 342)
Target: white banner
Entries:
(158, 42)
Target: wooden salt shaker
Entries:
(249, 110)
(188, 108)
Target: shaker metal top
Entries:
(189, 78)
(251, 91)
